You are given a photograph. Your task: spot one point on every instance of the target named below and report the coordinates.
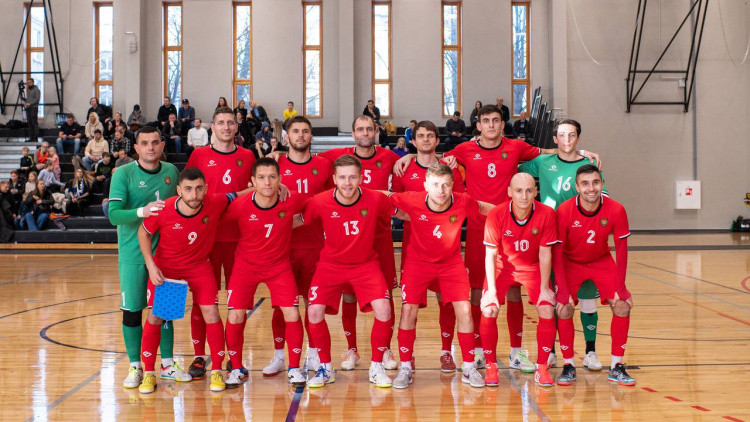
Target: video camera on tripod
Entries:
(21, 86)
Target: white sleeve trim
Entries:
(144, 228)
(554, 243)
(490, 245)
(115, 199)
(625, 235)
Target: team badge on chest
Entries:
(534, 231)
(239, 162)
(314, 171)
(504, 155)
(604, 222)
(282, 214)
(363, 212)
(378, 164)
(205, 220)
(168, 180)
(453, 218)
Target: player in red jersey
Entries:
(307, 174)
(584, 224)
(377, 165)
(227, 168)
(426, 140)
(350, 218)
(519, 236)
(265, 224)
(435, 259)
(186, 229)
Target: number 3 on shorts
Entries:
(313, 293)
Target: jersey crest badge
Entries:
(168, 180)
(504, 155)
(314, 171)
(378, 164)
(282, 214)
(604, 222)
(534, 231)
(363, 212)
(205, 220)
(239, 162)
(453, 218)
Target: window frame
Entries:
(166, 48)
(389, 80)
(525, 81)
(305, 49)
(98, 82)
(30, 50)
(450, 47)
(235, 80)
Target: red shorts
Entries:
(450, 278)
(603, 273)
(364, 280)
(405, 243)
(304, 262)
(246, 278)
(200, 279)
(530, 280)
(222, 255)
(474, 259)
(384, 249)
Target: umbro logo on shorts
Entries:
(576, 223)
(211, 163)
(147, 354)
(403, 349)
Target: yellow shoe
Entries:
(217, 381)
(148, 385)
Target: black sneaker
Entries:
(568, 375)
(197, 369)
(619, 375)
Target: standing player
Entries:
(262, 256)
(584, 224)
(377, 165)
(350, 218)
(435, 258)
(426, 139)
(556, 174)
(137, 191)
(519, 235)
(187, 227)
(307, 175)
(227, 168)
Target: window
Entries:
(312, 47)
(520, 38)
(451, 58)
(381, 57)
(173, 51)
(243, 58)
(35, 48)
(103, 47)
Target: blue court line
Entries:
(532, 403)
(291, 416)
(689, 291)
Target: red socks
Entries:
(545, 339)
(349, 321)
(235, 340)
(294, 334)
(406, 340)
(150, 344)
(567, 335)
(278, 328)
(619, 329)
(466, 341)
(215, 336)
(447, 318)
(322, 337)
(392, 321)
(476, 315)
(488, 329)
(310, 342)
(198, 330)
(382, 331)
(514, 313)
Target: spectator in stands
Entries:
(30, 184)
(276, 145)
(27, 163)
(186, 115)
(196, 137)
(290, 111)
(522, 127)
(165, 111)
(241, 109)
(504, 110)
(401, 147)
(103, 112)
(31, 105)
(473, 119)
(116, 123)
(47, 175)
(122, 158)
(243, 129)
(120, 142)
(222, 102)
(257, 113)
(261, 148)
(264, 134)
(39, 204)
(55, 159)
(455, 128)
(135, 120)
(7, 213)
(102, 174)
(16, 189)
(94, 150)
(70, 135)
(171, 133)
(41, 155)
(92, 125)
(372, 111)
(78, 193)
(409, 133)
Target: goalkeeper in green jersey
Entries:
(138, 190)
(557, 175)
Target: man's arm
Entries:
(489, 297)
(144, 242)
(485, 207)
(545, 267)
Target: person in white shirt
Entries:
(197, 137)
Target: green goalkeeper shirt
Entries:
(134, 187)
(557, 177)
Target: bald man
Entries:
(519, 235)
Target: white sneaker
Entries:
(378, 376)
(174, 372)
(295, 377)
(312, 360)
(322, 377)
(404, 378)
(521, 363)
(134, 378)
(552, 360)
(472, 377)
(351, 360)
(591, 362)
(235, 378)
(389, 362)
(274, 367)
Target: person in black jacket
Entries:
(255, 117)
(455, 128)
(164, 111)
(17, 187)
(522, 127)
(39, 203)
(7, 219)
(101, 110)
(171, 132)
(27, 163)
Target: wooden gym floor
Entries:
(63, 358)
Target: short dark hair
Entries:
(427, 125)
(567, 122)
(290, 102)
(413, 121)
(297, 119)
(69, 116)
(98, 131)
(106, 154)
(457, 113)
(190, 174)
(346, 161)
(146, 130)
(439, 169)
(222, 110)
(364, 117)
(489, 109)
(588, 169)
(265, 162)
(370, 101)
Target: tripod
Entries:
(21, 100)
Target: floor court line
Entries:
(694, 278)
(50, 271)
(689, 291)
(57, 304)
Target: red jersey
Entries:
(265, 233)
(585, 236)
(307, 179)
(349, 229)
(414, 177)
(183, 240)
(225, 172)
(376, 169)
(488, 171)
(436, 236)
(518, 243)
